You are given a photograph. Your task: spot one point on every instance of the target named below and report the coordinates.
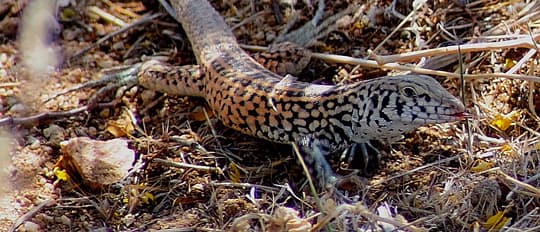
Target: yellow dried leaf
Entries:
(500, 122)
(60, 174)
(115, 130)
(234, 173)
(481, 166)
(147, 198)
(358, 25)
(496, 221)
(122, 126)
(506, 148)
(509, 63)
(503, 122)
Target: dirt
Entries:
(449, 177)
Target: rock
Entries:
(97, 163)
(30, 226)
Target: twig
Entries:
(10, 121)
(394, 66)
(143, 20)
(249, 19)
(246, 185)
(106, 16)
(465, 48)
(535, 192)
(522, 61)
(9, 85)
(120, 9)
(30, 214)
(186, 165)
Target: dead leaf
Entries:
(496, 222)
(481, 166)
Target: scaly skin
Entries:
(318, 118)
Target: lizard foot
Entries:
(125, 76)
(364, 157)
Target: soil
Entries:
(450, 177)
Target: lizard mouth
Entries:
(460, 115)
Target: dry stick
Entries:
(28, 215)
(248, 20)
(465, 48)
(522, 61)
(9, 85)
(532, 190)
(532, 84)
(185, 165)
(244, 185)
(143, 20)
(10, 121)
(395, 66)
(106, 16)
(120, 9)
(308, 176)
(535, 192)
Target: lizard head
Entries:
(400, 104)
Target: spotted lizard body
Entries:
(318, 118)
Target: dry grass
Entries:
(198, 175)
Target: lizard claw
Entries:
(368, 159)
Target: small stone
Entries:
(92, 131)
(3, 73)
(55, 134)
(19, 108)
(46, 219)
(119, 45)
(11, 100)
(64, 220)
(198, 187)
(34, 143)
(3, 58)
(128, 219)
(70, 35)
(81, 131)
(30, 226)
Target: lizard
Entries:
(318, 119)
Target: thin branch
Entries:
(526, 42)
(33, 119)
(143, 20)
(394, 66)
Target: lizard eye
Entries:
(408, 91)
